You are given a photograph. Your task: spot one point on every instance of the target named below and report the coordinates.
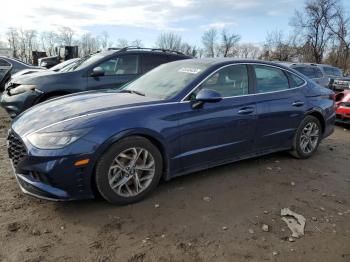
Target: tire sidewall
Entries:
(103, 165)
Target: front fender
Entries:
(153, 136)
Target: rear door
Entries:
(280, 106)
(119, 70)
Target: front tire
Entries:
(129, 170)
(307, 138)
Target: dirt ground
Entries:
(215, 215)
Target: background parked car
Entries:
(320, 73)
(342, 101)
(10, 66)
(109, 69)
(55, 68)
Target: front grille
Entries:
(16, 148)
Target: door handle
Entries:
(246, 110)
(298, 103)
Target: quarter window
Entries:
(270, 79)
(296, 80)
(229, 81)
(123, 65)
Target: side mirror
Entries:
(97, 71)
(206, 96)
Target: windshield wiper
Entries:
(132, 92)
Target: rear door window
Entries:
(270, 79)
(296, 80)
(150, 61)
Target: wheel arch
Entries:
(154, 137)
(318, 114)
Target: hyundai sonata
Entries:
(181, 117)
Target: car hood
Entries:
(28, 71)
(76, 106)
(34, 78)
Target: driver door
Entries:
(118, 71)
(218, 132)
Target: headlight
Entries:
(22, 88)
(55, 140)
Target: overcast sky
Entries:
(145, 19)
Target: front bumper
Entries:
(340, 88)
(40, 190)
(16, 104)
(57, 179)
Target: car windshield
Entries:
(167, 80)
(85, 61)
(64, 64)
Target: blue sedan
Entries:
(179, 118)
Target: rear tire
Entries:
(129, 170)
(307, 138)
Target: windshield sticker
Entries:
(190, 70)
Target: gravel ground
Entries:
(214, 215)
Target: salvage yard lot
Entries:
(215, 215)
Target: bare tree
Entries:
(277, 47)
(209, 41)
(190, 50)
(229, 43)
(312, 23)
(248, 51)
(170, 41)
(66, 35)
(339, 27)
(31, 42)
(12, 39)
(137, 43)
(51, 40)
(104, 40)
(121, 43)
(88, 44)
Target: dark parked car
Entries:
(10, 66)
(179, 118)
(320, 73)
(110, 69)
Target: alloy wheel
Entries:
(309, 137)
(131, 172)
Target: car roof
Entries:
(224, 61)
(291, 64)
(158, 51)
